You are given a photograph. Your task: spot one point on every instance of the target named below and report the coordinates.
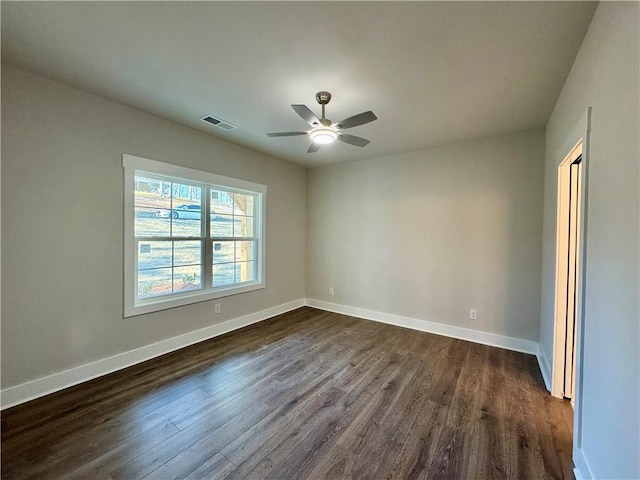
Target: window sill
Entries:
(157, 305)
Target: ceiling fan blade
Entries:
(353, 140)
(314, 147)
(285, 134)
(357, 120)
(306, 114)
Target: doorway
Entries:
(568, 272)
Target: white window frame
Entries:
(132, 165)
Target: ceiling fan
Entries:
(324, 131)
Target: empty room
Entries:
(320, 240)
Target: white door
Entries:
(569, 231)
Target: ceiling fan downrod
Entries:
(323, 98)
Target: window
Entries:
(190, 236)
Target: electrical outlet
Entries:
(330, 290)
(473, 314)
(217, 308)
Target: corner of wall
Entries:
(446, 330)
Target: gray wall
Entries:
(62, 225)
(433, 233)
(604, 76)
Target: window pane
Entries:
(243, 227)
(154, 282)
(187, 278)
(151, 223)
(183, 193)
(187, 253)
(223, 275)
(244, 251)
(223, 252)
(243, 204)
(152, 193)
(221, 202)
(221, 225)
(245, 272)
(187, 228)
(186, 218)
(154, 255)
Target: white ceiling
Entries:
(433, 72)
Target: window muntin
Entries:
(192, 236)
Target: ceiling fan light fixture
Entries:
(324, 131)
(323, 136)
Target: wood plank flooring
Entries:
(305, 395)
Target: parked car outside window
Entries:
(185, 211)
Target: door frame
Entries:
(581, 132)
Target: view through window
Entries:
(192, 237)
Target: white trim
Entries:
(485, 338)
(582, 470)
(189, 298)
(57, 381)
(580, 132)
(545, 368)
(39, 387)
(161, 168)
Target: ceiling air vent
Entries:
(218, 122)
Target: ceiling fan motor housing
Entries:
(323, 97)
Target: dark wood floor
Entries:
(308, 394)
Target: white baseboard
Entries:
(39, 387)
(545, 368)
(485, 338)
(52, 383)
(582, 471)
